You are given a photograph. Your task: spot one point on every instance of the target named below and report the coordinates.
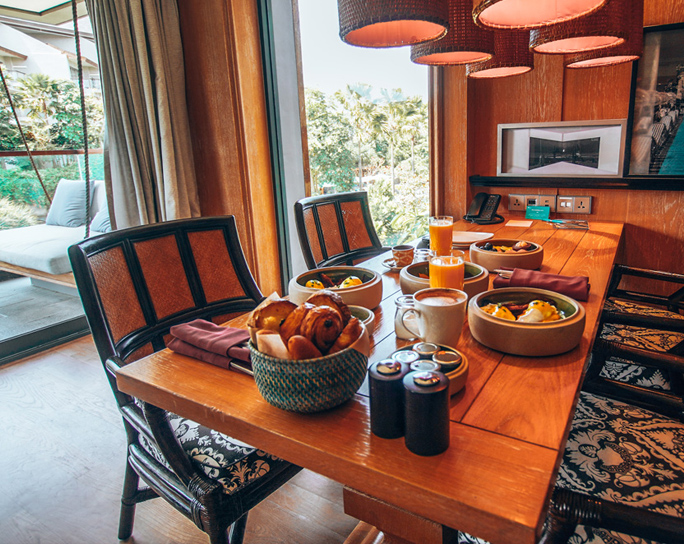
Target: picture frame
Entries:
(562, 149)
(655, 144)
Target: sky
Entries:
(329, 64)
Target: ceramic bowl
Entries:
(528, 339)
(492, 260)
(476, 278)
(366, 316)
(368, 294)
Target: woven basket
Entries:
(311, 385)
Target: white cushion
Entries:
(40, 247)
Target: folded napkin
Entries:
(209, 342)
(576, 287)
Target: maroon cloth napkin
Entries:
(576, 287)
(208, 342)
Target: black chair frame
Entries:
(349, 256)
(222, 516)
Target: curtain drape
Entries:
(151, 174)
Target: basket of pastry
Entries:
(310, 357)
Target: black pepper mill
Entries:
(426, 400)
(387, 398)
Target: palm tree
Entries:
(362, 113)
(400, 116)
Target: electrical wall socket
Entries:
(582, 204)
(547, 200)
(574, 204)
(516, 202)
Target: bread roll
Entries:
(293, 321)
(271, 314)
(301, 347)
(329, 298)
(348, 336)
(322, 325)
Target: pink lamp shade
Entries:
(529, 14)
(465, 42)
(512, 56)
(392, 23)
(629, 51)
(606, 27)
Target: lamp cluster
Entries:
(497, 38)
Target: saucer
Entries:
(389, 263)
(465, 238)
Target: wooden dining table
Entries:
(508, 426)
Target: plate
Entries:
(389, 263)
(464, 239)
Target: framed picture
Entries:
(656, 146)
(562, 149)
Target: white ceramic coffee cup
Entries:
(439, 315)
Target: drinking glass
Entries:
(448, 270)
(441, 234)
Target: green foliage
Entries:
(50, 114)
(13, 215)
(381, 144)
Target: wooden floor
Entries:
(62, 455)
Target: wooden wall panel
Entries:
(597, 93)
(228, 124)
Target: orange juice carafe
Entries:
(447, 271)
(441, 234)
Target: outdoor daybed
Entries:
(40, 251)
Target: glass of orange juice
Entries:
(441, 234)
(448, 270)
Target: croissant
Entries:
(348, 336)
(301, 347)
(322, 325)
(332, 299)
(293, 322)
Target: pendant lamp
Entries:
(630, 50)
(606, 27)
(392, 23)
(465, 42)
(530, 14)
(512, 56)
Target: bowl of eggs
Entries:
(357, 286)
(526, 321)
(493, 254)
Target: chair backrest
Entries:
(336, 229)
(136, 283)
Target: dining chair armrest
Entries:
(642, 320)
(662, 360)
(197, 483)
(569, 509)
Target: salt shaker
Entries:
(426, 401)
(385, 380)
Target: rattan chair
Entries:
(135, 284)
(638, 356)
(336, 229)
(621, 480)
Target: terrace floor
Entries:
(35, 315)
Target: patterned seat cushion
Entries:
(639, 337)
(615, 305)
(233, 463)
(621, 453)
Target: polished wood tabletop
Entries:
(508, 425)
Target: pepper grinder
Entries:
(385, 379)
(426, 401)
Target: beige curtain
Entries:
(151, 175)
